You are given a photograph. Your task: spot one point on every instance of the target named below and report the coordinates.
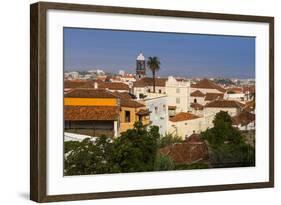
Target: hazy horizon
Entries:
(188, 55)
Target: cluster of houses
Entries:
(112, 105)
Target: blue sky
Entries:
(189, 55)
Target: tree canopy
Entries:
(134, 151)
(227, 143)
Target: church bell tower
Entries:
(140, 69)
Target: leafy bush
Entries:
(88, 157)
(163, 163)
(168, 139)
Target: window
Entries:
(178, 90)
(148, 90)
(160, 91)
(178, 100)
(156, 110)
(127, 116)
(195, 100)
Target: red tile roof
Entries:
(161, 82)
(183, 116)
(123, 95)
(114, 86)
(130, 103)
(186, 152)
(244, 118)
(196, 106)
(143, 112)
(249, 89)
(234, 90)
(89, 93)
(82, 113)
(225, 103)
(197, 93)
(76, 84)
(213, 96)
(91, 84)
(207, 84)
(194, 138)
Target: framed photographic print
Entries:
(135, 102)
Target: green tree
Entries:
(163, 163)
(135, 150)
(153, 64)
(88, 157)
(227, 144)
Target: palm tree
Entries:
(153, 64)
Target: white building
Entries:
(185, 124)
(197, 97)
(157, 104)
(235, 96)
(232, 107)
(71, 75)
(144, 86)
(178, 93)
(97, 72)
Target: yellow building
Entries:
(92, 112)
(131, 112)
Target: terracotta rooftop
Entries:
(194, 138)
(234, 90)
(76, 84)
(225, 103)
(183, 116)
(249, 89)
(207, 84)
(91, 84)
(244, 118)
(82, 113)
(213, 96)
(143, 112)
(186, 152)
(149, 82)
(123, 95)
(113, 86)
(89, 93)
(197, 93)
(130, 103)
(196, 106)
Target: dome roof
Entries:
(141, 57)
